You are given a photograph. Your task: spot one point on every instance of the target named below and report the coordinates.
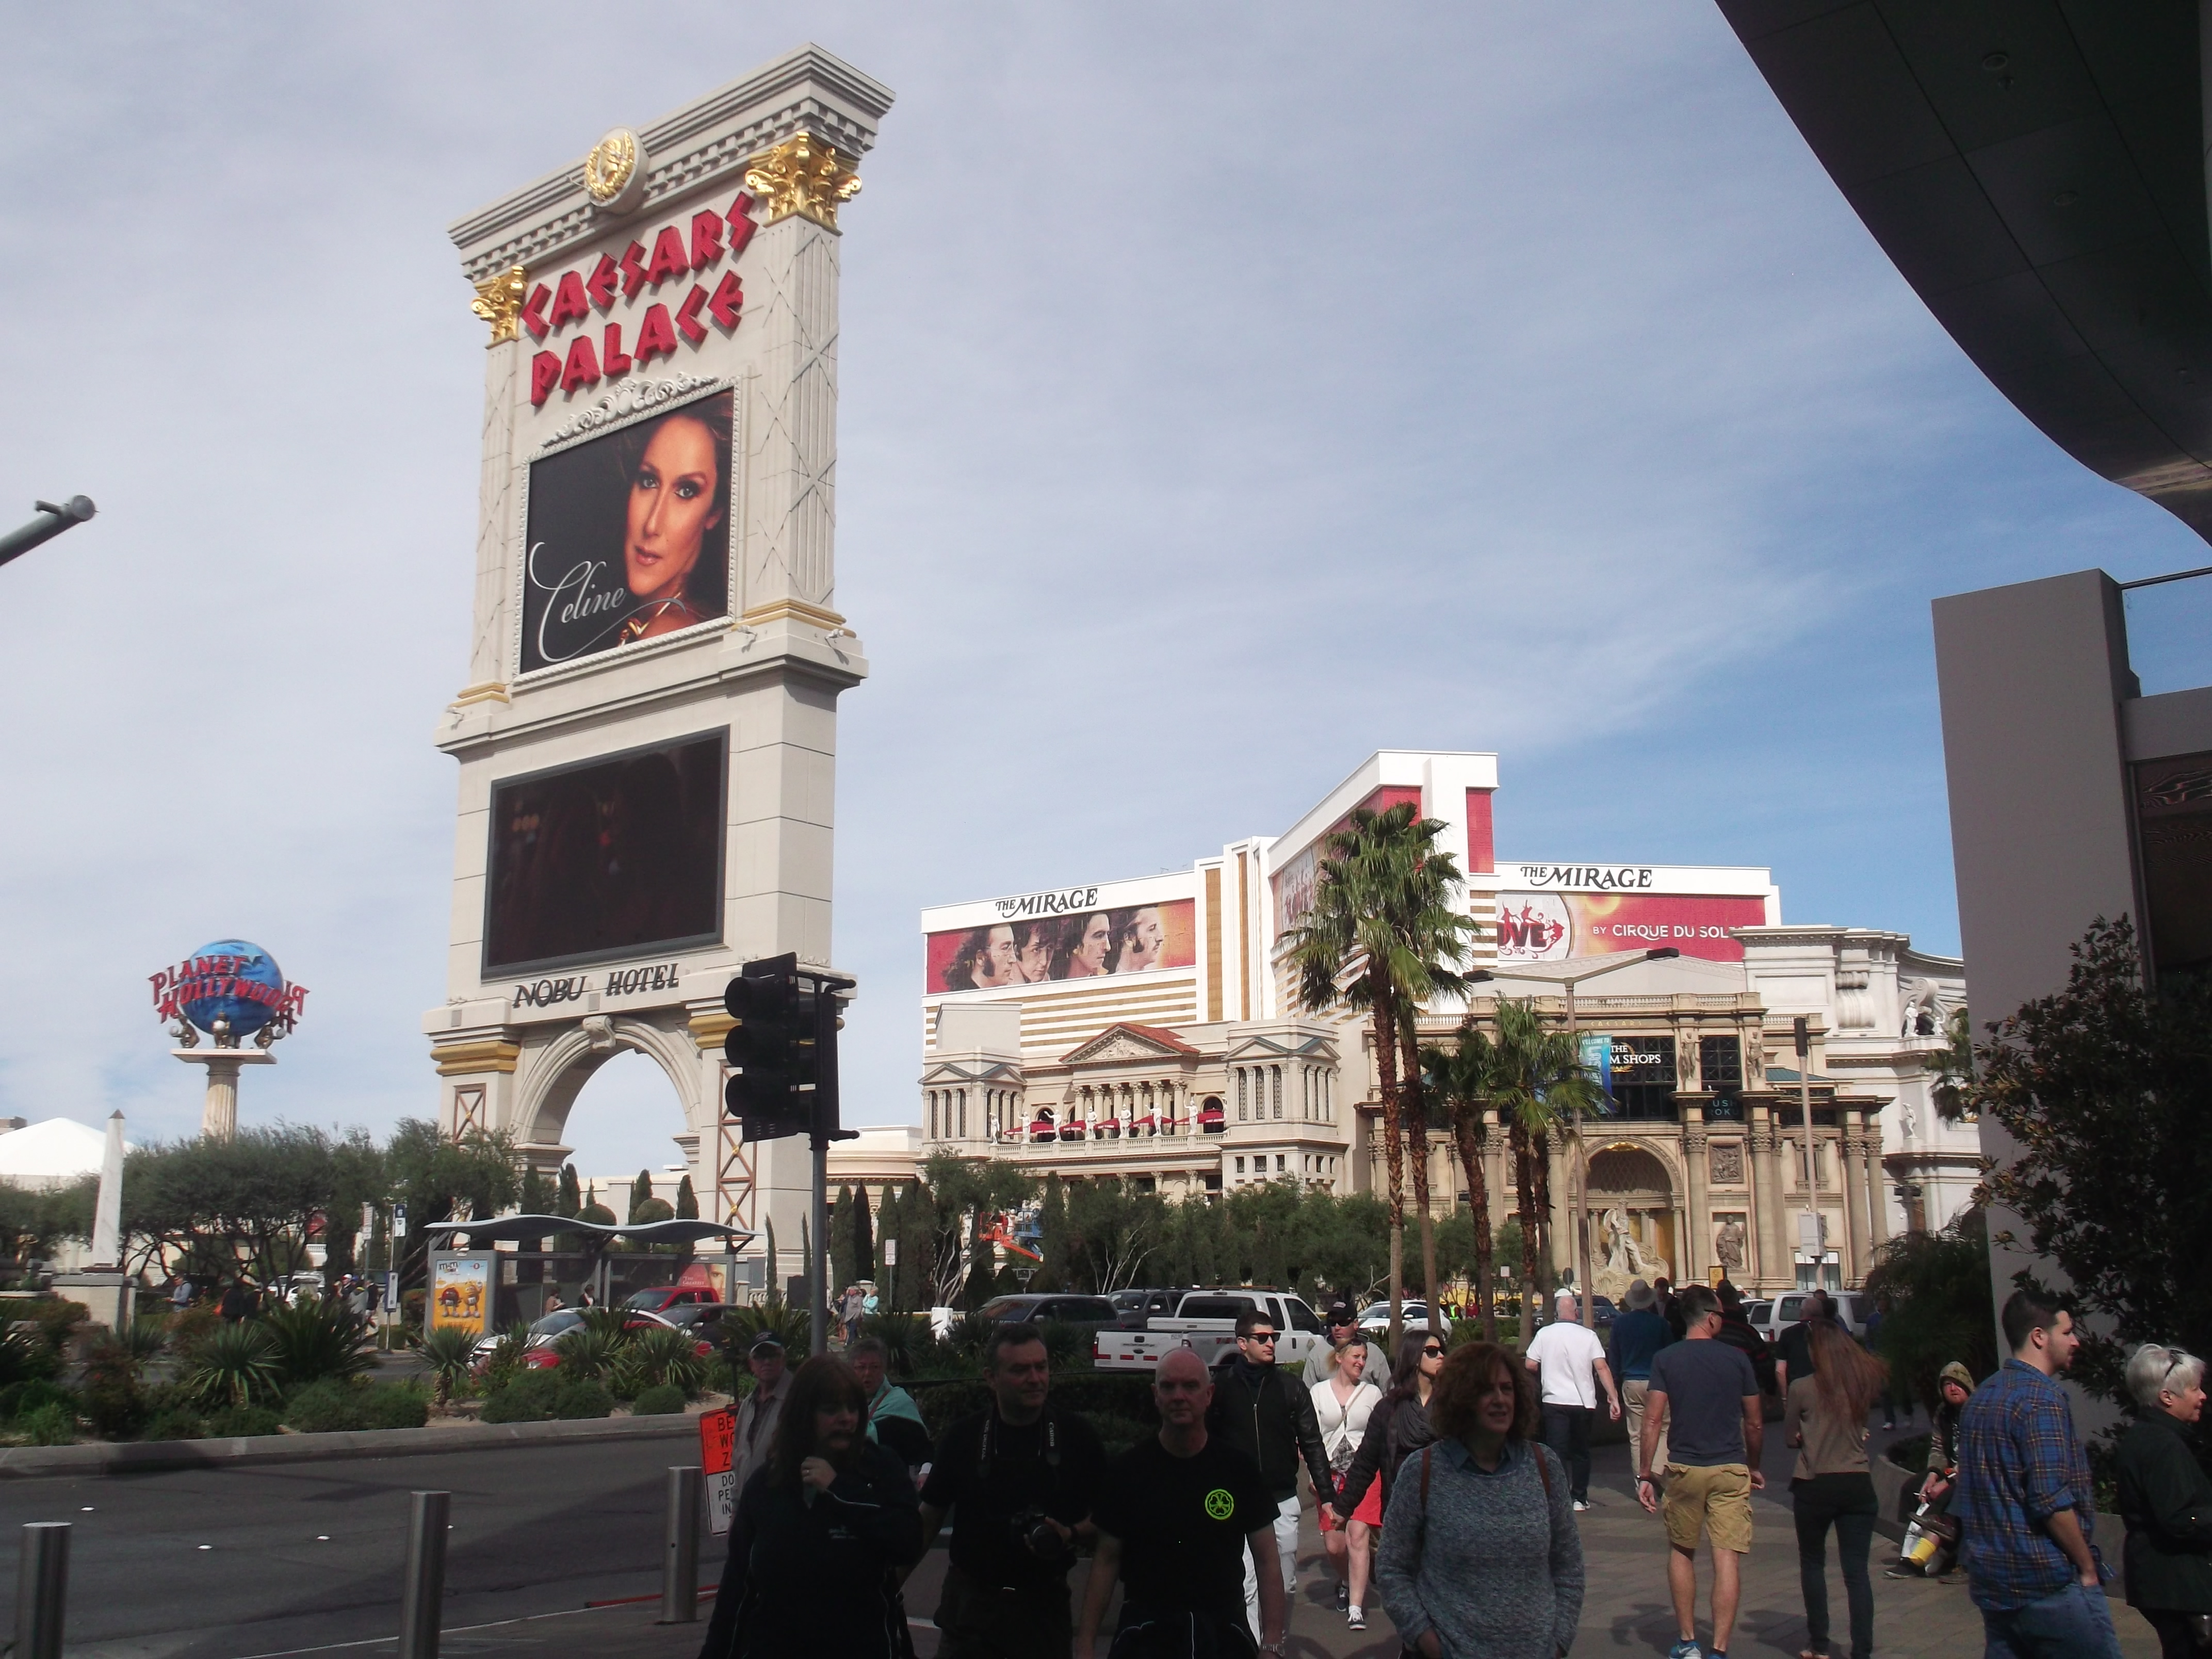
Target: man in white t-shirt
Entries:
(1571, 1359)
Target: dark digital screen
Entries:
(607, 857)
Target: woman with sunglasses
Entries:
(2166, 1498)
(1396, 1428)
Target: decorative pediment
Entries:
(995, 1073)
(1126, 1041)
(1282, 1045)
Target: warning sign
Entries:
(718, 1444)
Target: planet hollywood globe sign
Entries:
(229, 990)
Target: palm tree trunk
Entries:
(1465, 1125)
(1394, 1153)
(1540, 1154)
(1415, 1100)
(1524, 1182)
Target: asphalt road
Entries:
(223, 1563)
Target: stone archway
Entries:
(550, 1080)
(1631, 1201)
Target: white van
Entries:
(1785, 1311)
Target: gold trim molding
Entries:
(805, 176)
(485, 1054)
(499, 302)
(795, 611)
(485, 691)
(708, 1028)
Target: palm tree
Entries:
(1381, 938)
(1461, 1076)
(1537, 1078)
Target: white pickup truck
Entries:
(1205, 1322)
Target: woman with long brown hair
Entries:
(1825, 1418)
(822, 1530)
(1397, 1426)
(1480, 1553)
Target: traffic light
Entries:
(771, 1048)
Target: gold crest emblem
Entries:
(610, 166)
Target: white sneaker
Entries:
(1355, 1618)
(1580, 1506)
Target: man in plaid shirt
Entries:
(2025, 1500)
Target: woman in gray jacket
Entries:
(1480, 1556)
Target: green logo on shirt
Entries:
(1219, 1504)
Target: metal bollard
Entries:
(42, 1589)
(679, 1560)
(421, 1598)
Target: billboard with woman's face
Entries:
(628, 535)
(608, 858)
(1081, 944)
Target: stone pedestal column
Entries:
(1876, 1182)
(1561, 1223)
(1767, 1200)
(1852, 1145)
(219, 1113)
(1690, 1247)
(1493, 1168)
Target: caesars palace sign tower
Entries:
(648, 738)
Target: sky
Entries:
(1227, 392)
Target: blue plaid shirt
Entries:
(2019, 1463)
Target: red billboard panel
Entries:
(1547, 926)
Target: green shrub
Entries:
(318, 1340)
(393, 1406)
(671, 1357)
(50, 1424)
(20, 1397)
(580, 1397)
(174, 1423)
(662, 1400)
(112, 1402)
(325, 1408)
(235, 1421)
(450, 1353)
(528, 1399)
(234, 1366)
(24, 1358)
(56, 1318)
(588, 1351)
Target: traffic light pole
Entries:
(826, 1128)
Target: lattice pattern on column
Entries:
(468, 1110)
(735, 1170)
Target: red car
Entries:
(661, 1297)
(690, 1317)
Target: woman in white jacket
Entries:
(1342, 1401)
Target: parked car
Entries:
(660, 1299)
(1602, 1314)
(1785, 1310)
(1377, 1319)
(1133, 1309)
(542, 1335)
(1039, 1308)
(1205, 1322)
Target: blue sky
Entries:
(1227, 392)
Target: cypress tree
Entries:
(774, 1280)
(571, 1200)
(687, 1201)
(841, 1244)
(640, 1190)
(863, 1245)
(1051, 1217)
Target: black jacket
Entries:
(2166, 1502)
(1266, 1413)
(817, 1578)
(1396, 1428)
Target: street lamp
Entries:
(1578, 1171)
(50, 523)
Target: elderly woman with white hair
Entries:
(2166, 1498)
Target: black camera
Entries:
(1034, 1531)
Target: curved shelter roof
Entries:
(514, 1229)
(2036, 170)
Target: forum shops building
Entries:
(1146, 1029)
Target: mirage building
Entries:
(1146, 1029)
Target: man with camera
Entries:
(1018, 1480)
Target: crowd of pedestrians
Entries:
(1448, 1489)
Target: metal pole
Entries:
(50, 523)
(42, 1589)
(818, 1269)
(1577, 1198)
(421, 1596)
(1812, 1158)
(680, 1561)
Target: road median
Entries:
(100, 1458)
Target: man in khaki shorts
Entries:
(1707, 1395)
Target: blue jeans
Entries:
(2074, 1624)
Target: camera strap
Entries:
(1051, 1424)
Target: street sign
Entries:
(400, 1221)
(718, 1445)
(891, 1253)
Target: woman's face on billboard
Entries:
(1089, 956)
(671, 509)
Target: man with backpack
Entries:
(1266, 1413)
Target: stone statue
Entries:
(1626, 1258)
(1728, 1243)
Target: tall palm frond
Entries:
(1461, 1076)
(1538, 1079)
(1383, 937)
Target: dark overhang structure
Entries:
(2037, 170)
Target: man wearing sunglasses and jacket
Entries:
(1266, 1413)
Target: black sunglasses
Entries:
(1431, 1352)
(1260, 1336)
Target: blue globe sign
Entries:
(232, 980)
